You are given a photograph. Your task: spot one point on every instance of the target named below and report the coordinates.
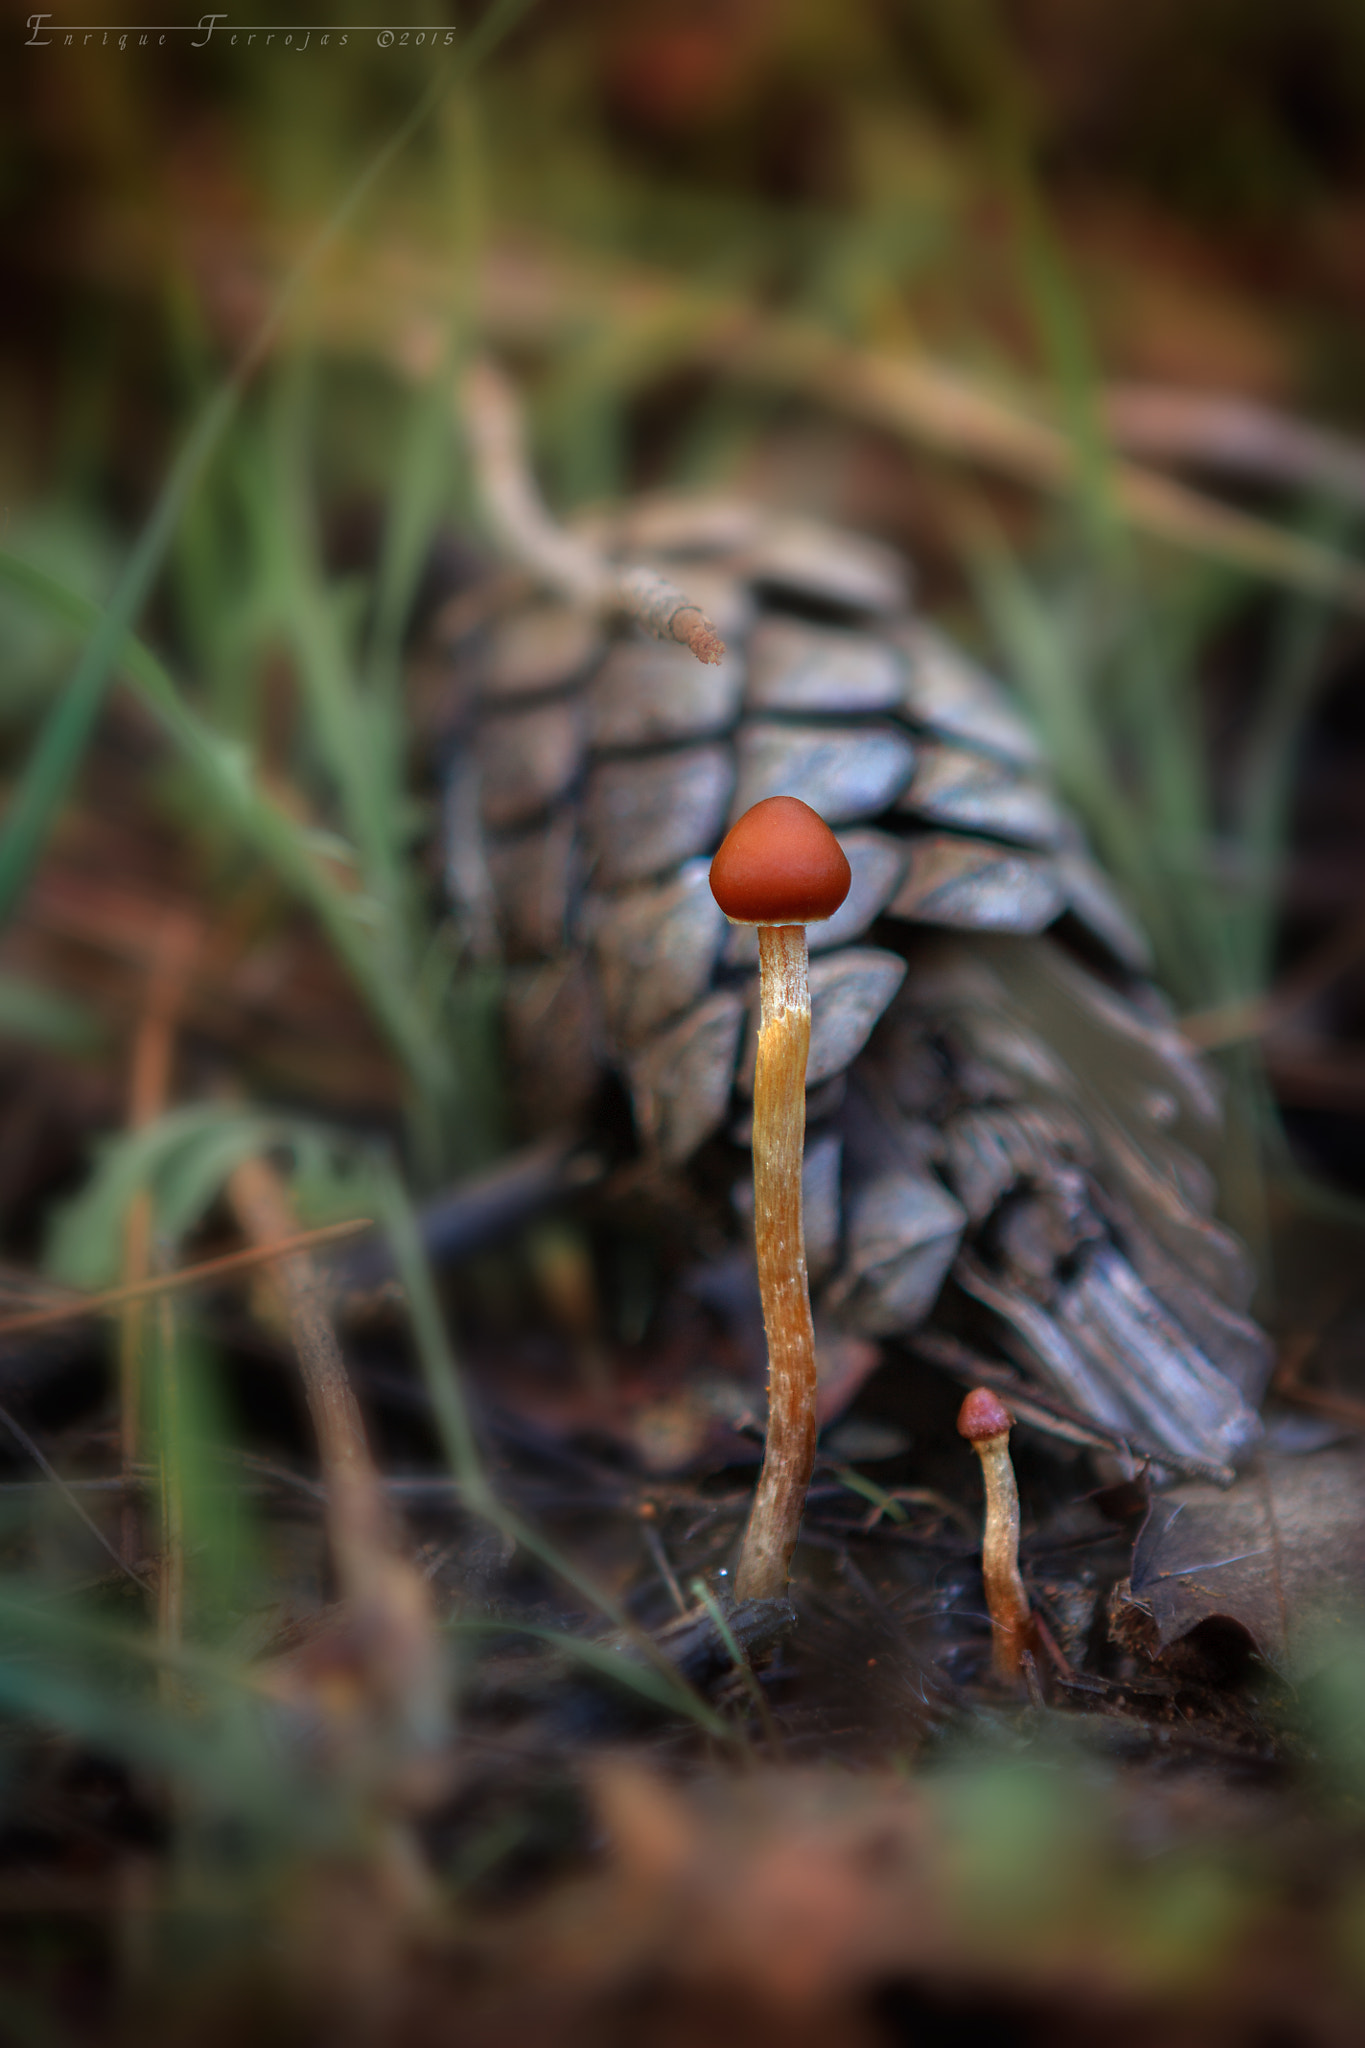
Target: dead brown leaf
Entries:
(1281, 1552)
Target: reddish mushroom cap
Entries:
(982, 1415)
(780, 864)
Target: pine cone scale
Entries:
(999, 1136)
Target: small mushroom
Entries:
(781, 868)
(985, 1421)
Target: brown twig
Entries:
(258, 1200)
(78, 1305)
(1340, 1407)
(392, 299)
(945, 409)
(491, 417)
(1236, 436)
(1257, 1016)
(1314, 1075)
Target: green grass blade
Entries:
(434, 1350)
(53, 764)
(439, 1370)
(429, 450)
(339, 724)
(650, 1683)
(61, 745)
(39, 1016)
(225, 772)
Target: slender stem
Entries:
(779, 1138)
(1011, 1622)
(360, 1520)
(137, 1254)
(391, 1618)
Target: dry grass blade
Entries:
(949, 412)
(526, 300)
(940, 407)
(1234, 436)
(261, 1206)
(1258, 1016)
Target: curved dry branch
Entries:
(491, 417)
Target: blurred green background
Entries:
(952, 272)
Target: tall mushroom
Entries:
(985, 1421)
(781, 868)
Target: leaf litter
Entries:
(1280, 1553)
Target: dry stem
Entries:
(569, 564)
(779, 1139)
(359, 1514)
(388, 1604)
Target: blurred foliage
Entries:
(1051, 195)
(917, 178)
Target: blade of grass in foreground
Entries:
(53, 764)
(451, 1411)
(430, 455)
(214, 1733)
(675, 1695)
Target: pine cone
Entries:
(1002, 1114)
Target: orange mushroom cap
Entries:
(780, 864)
(983, 1415)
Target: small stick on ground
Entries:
(75, 1306)
(1215, 431)
(491, 417)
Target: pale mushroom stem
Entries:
(1006, 1600)
(779, 1141)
